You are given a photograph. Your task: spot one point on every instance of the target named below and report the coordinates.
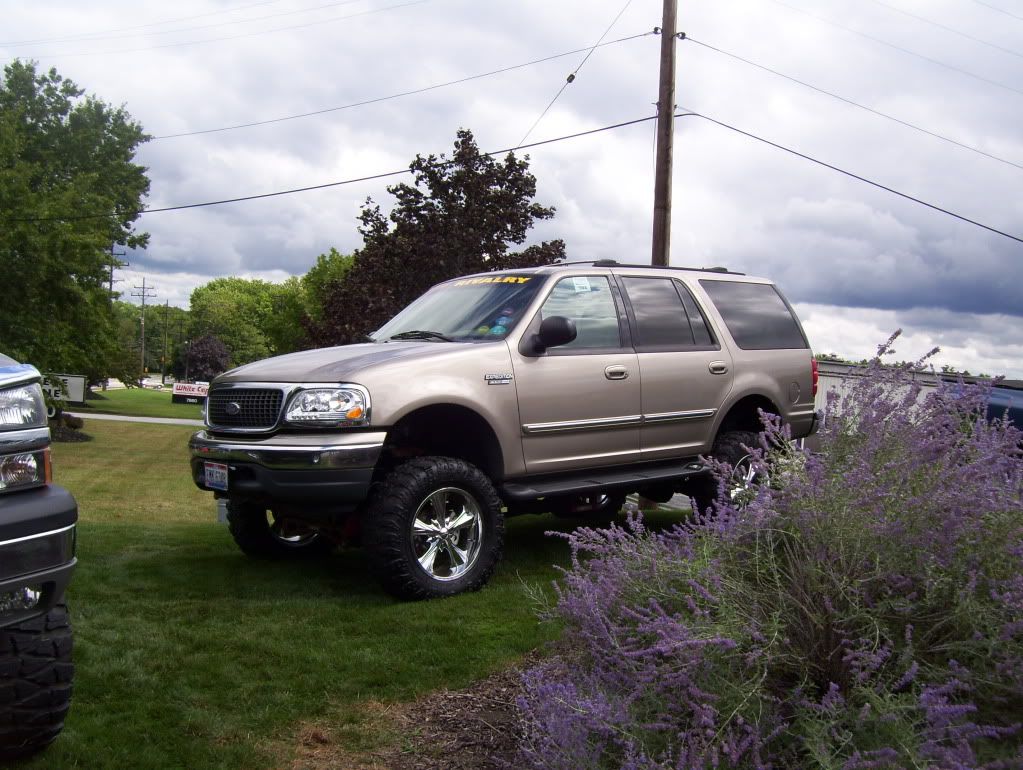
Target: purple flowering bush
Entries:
(863, 610)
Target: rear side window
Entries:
(660, 317)
(756, 315)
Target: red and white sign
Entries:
(189, 389)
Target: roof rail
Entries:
(613, 263)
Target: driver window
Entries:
(586, 300)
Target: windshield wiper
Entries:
(417, 334)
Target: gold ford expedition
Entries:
(553, 389)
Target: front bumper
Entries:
(37, 551)
(307, 468)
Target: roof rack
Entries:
(614, 263)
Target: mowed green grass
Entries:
(190, 655)
(138, 402)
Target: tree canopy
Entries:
(69, 191)
(461, 215)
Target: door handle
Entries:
(718, 367)
(616, 373)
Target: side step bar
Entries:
(596, 480)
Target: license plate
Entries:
(216, 475)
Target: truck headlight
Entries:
(346, 406)
(22, 407)
(26, 469)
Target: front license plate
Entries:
(216, 475)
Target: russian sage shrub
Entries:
(863, 610)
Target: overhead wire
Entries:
(996, 8)
(397, 95)
(571, 78)
(327, 185)
(953, 30)
(686, 113)
(892, 190)
(97, 35)
(257, 33)
(221, 23)
(851, 30)
(852, 103)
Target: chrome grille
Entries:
(257, 407)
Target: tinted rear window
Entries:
(756, 315)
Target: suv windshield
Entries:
(483, 308)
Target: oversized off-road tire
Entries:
(598, 508)
(263, 536)
(728, 448)
(433, 528)
(35, 682)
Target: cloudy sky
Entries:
(925, 98)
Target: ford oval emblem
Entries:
(233, 409)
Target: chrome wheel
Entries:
(447, 533)
(742, 481)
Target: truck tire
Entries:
(262, 536)
(36, 673)
(729, 449)
(433, 528)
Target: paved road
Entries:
(125, 418)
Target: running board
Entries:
(594, 480)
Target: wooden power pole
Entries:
(145, 293)
(665, 135)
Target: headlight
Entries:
(27, 469)
(343, 406)
(23, 407)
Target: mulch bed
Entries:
(472, 729)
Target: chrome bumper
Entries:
(293, 453)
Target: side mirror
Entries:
(554, 331)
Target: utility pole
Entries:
(144, 293)
(163, 359)
(115, 262)
(665, 135)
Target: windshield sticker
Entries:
(581, 284)
(493, 279)
(498, 329)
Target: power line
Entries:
(906, 51)
(572, 75)
(235, 37)
(871, 110)
(95, 35)
(400, 94)
(690, 113)
(1000, 10)
(214, 26)
(953, 30)
(328, 184)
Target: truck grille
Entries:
(256, 407)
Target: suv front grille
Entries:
(254, 408)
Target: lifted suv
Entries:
(37, 556)
(559, 388)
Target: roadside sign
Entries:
(188, 393)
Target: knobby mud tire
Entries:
(388, 521)
(36, 673)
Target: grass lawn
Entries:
(191, 655)
(138, 402)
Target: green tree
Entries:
(459, 216)
(234, 310)
(330, 268)
(69, 191)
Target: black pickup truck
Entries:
(37, 557)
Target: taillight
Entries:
(815, 377)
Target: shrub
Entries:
(864, 610)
